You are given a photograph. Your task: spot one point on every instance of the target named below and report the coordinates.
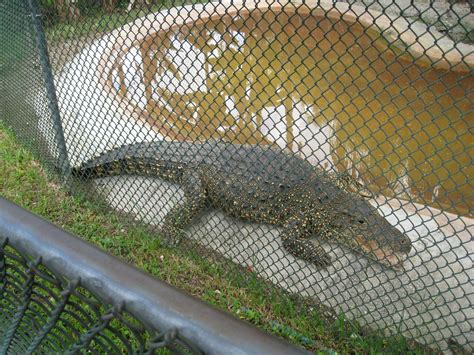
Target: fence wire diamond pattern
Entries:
(325, 145)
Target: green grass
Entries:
(23, 180)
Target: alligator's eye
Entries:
(361, 221)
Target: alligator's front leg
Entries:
(294, 237)
(183, 214)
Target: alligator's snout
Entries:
(387, 255)
(392, 254)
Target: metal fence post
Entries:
(63, 164)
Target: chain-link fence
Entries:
(325, 145)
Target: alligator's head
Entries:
(365, 230)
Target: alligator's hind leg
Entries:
(183, 214)
(294, 235)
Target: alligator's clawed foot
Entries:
(294, 235)
(316, 255)
(320, 261)
(307, 251)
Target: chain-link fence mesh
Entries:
(325, 145)
(41, 312)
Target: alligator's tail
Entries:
(128, 161)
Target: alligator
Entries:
(259, 184)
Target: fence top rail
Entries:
(155, 303)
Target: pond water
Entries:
(333, 92)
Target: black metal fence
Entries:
(325, 145)
(62, 295)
